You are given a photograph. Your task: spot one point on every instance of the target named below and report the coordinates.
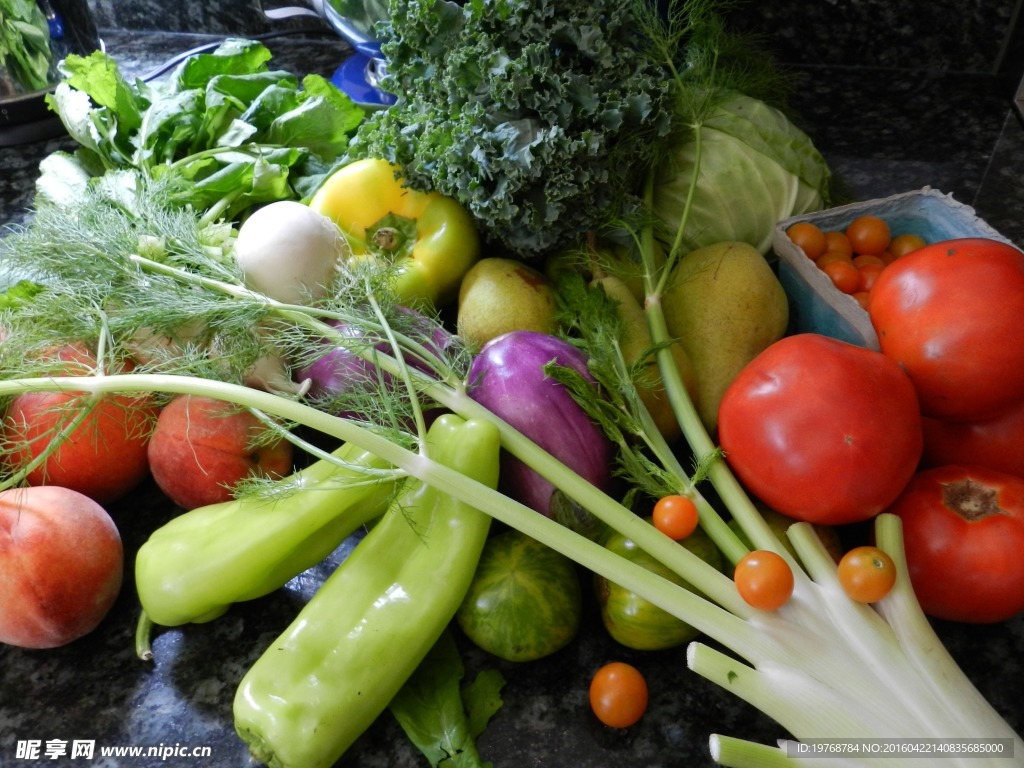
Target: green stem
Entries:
(677, 600)
(740, 753)
(143, 637)
(925, 651)
(774, 689)
(452, 394)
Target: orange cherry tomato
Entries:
(903, 244)
(862, 298)
(618, 694)
(865, 259)
(843, 275)
(676, 516)
(830, 256)
(837, 242)
(866, 574)
(808, 238)
(868, 275)
(764, 579)
(868, 234)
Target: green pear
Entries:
(725, 305)
(499, 295)
(635, 342)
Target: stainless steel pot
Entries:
(59, 27)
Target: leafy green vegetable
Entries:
(226, 131)
(750, 168)
(25, 44)
(736, 163)
(433, 712)
(535, 114)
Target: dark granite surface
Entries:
(885, 129)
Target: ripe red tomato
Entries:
(963, 531)
(996, 443)
(821, 430)
(950, 314)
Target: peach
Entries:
(201, 448)
(104, 457)
(61, 566)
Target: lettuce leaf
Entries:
(225, 130)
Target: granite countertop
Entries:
(883, 132)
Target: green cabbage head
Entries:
(755, 169)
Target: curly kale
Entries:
(538, 115)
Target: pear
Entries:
(499, 295)
(724, 304)
(635, 342)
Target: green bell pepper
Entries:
(334, 670)
(194, 567)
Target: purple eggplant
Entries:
(340, 370)
(507, 377)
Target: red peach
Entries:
(61, 566)
(104, 457)
(202, 447)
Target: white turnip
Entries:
(289, 252)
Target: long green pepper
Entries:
(334, 670)
(193, 568)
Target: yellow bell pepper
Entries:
(430, 239)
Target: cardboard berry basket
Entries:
(816, 305)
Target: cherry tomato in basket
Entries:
(950, 315)
(866, 574)
(844, 275)
(821, 430)
(963, 532)
(808, 237)
(869, 275)
(868, 234)
(904, 243)
(675, 516)
(764, 579)
(837, 242)
(618, 694)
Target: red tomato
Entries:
(963, 530)
(996, 443)
(821, 430)
(950, 314)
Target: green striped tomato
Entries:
(525, 601)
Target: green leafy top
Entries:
(25, 44)
(535, 114)
(229, 131)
